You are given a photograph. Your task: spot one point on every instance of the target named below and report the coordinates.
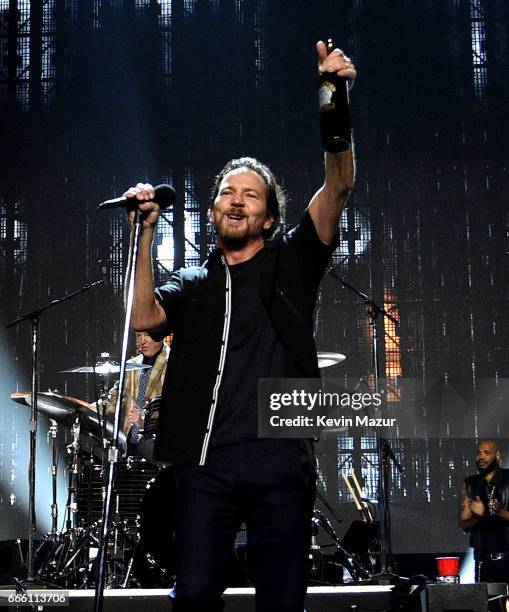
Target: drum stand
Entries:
(61, 563)
(52, 434)
(51, 540)
(123, 550)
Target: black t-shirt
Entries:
(194, 300)
(253, 351)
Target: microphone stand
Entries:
(113, 447)
(34, 318)
(384, 451)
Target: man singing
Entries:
(484, 512)
(245, 314)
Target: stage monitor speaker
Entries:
(457, 597)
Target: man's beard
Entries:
(489, 468)
(235, 239)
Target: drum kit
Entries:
(67, 558)
(143, 494)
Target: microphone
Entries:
(164, 195)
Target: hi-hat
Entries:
(326, 359)
(106, 367)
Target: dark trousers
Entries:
(270, 486)
(492, 570)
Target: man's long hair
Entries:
(275, 193)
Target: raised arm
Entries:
(147, 313)
(327, 204)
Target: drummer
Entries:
(141, 385)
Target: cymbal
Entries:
(64, 409)
(20, 397)
(106, 367)
(326, 358)
(56, 406)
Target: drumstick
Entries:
(365, 506)
(356, 482)
(352, 493)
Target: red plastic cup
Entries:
(448, 566)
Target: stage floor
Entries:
(319, 599)
(431, 598)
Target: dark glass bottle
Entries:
(334, 113)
